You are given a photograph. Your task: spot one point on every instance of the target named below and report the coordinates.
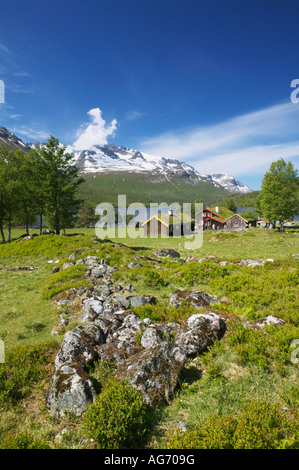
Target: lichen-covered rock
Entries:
(195, 298)
(125, 337)
(139, 300)
(92, 309)
(103, 290)
(198, 332)
(133, 265)
(152, 336)
(262, 322)
(92, 260)
(67, 265)
(154, 371)
(71, 391)
(167, 252)
(125, 303)
(97, 272)
(80, 346)
(269, 320)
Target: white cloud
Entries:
(243, 145)
(94, 133)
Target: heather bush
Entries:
(118, 417)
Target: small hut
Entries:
(236, 223)
(155, 227)
(168, 225)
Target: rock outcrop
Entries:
(149, 355)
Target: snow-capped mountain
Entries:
(11, 141)
(110, 158)
(230, 183)
(101, 159)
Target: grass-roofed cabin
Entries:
(164, 225)
(236, 223)
(213, 218)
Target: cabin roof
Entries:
(217, 219)
(237, 215)
(168, 220)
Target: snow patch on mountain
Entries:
(230, 183)
(100, 159)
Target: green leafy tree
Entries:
(60, 183)
(36, 174)
(87, 216)
(278, 199)
(10, 190)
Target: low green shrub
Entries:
(163, 312)
(260, 425)
(197, 273)
(263, 425)
(22, 441)
(118, 417)
(24, 367)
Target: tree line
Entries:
(38, 185)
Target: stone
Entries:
(198, 332)
(269, 320)
(68, 296)
(130, 288)
(92, 260)
(167, 252)
(55, 270)
(71, 391)
(68, 265)
(124, 338)
(133, 265)
(154, 371)
(72, 257)
(195, 298)
(152, 336)
(262, 322)
(103, 290)
(124, 302)
(97, 271)
(92, 308)
(80, 346)
(139, 300)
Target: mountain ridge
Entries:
(101, 159)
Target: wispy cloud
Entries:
(5, 49)
(31, 133)
(94, 133)
(22, 74)
(242, 145)
(133, 115)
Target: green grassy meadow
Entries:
(240, 393)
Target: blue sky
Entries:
(207, 82)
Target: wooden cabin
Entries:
(236, 223)
(210, 219)
(168, 226)
(155, 227)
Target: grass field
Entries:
(247, 377)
